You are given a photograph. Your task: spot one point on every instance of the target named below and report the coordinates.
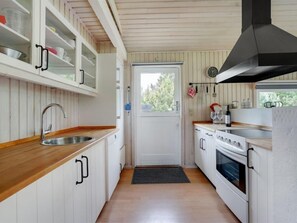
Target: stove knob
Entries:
(229, 141)
(225, 139)
(238, 144)
(234, 143)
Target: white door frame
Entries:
(134, 109)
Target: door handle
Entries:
(177, 106)
(41, 55)
(47, 59)
(87, 160)
(81, 172)
(82, 76)
(248, 158)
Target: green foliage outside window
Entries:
(288, 98)
(159, 97)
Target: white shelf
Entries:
(55, 61)
(89, 75)
(14, 4)
(54, 40)
(10, 37)
(86, 62)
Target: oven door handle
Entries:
(248, 158)
(235, 156)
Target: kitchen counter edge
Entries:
(36, 169)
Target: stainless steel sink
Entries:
(66, 140)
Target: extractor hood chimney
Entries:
(262, 51)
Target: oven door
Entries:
(232, 181)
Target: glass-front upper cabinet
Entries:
(19, 32)
(88, 67)
(58, 46)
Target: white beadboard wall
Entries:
(194, 69)
(21, 106)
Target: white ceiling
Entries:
(179, 25)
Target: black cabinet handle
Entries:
(248, 158)
(47, 59)
(83, 76)
(87, 160)
(81, 172)
(41, 63)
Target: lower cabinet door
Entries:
(113, 176)
(80, 196)
(98, 179)
(27, 204)
(45, 199)
(8, 210)
(69, 169)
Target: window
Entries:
(276, 94)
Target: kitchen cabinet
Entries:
(8, 210)
(55, 53)
(88, 67)
(20, 33)
(27, 204)
(113, 164)
(260, 182)
(205, 152)
(73, 192)
(102, 110)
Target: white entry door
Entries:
(157, 116)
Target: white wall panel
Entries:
(22, 104)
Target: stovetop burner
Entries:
(250, 133)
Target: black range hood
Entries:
(262, 51)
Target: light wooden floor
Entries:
(167, 203)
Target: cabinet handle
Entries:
(82, 76)
(197, 130)
(201, 144)
(81, 172)
(87, 160)
(209, 134)
(41, 63)
(120, 167)
(47, 59)
(248, 158)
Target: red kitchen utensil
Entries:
(213, 105)
(191, 91)
(2, 19)
(54, 51)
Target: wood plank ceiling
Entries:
(86, 14)
(179, 25)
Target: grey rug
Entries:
(159, 175)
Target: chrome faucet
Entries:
(42, 131)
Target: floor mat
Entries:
(154, 175)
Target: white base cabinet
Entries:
(113, 164)
(73, 192)
(205, 157)
(260, 183)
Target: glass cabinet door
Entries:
(17, 32)
(88, 67)
(59, 52)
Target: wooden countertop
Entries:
(22, 164)
(263, 143)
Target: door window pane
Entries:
(157, 92)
